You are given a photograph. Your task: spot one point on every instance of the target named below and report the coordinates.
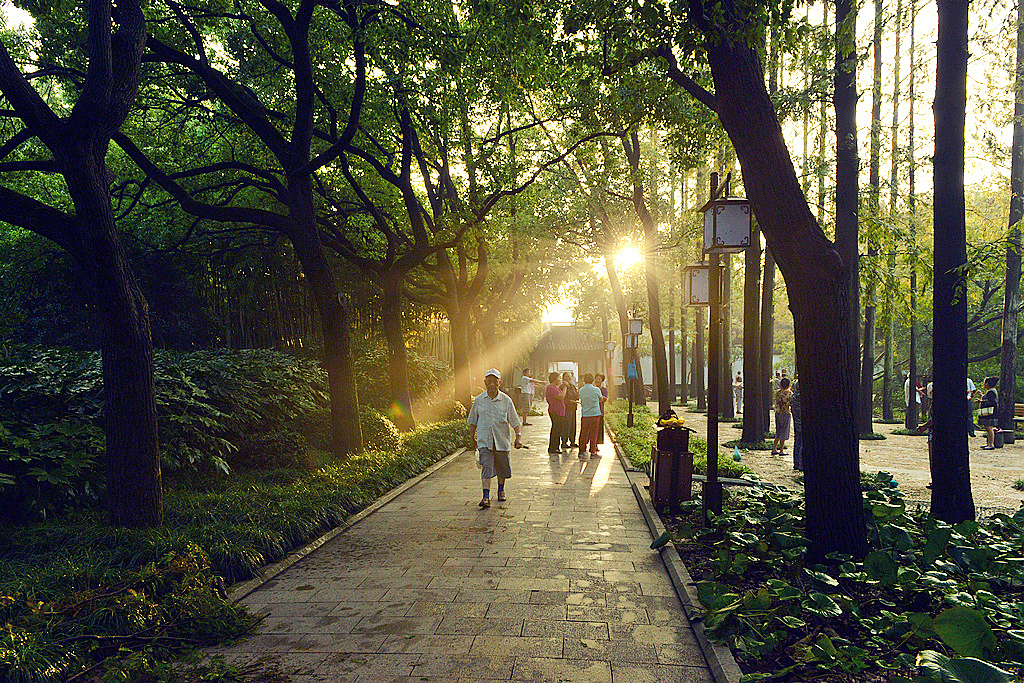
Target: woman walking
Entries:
(783, 416)
(987, 412)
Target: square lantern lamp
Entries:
(695, 284)
(727, 225)
(636, 326)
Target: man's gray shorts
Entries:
(494, 463)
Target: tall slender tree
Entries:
(865, 408)
(1011, 285)
(951, 475)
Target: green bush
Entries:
(426, 374)
(51, 443)
(457, 412)
(379, 433)
(637, 441)
(213, 407)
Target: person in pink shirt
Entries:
(554, 393)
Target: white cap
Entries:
(494, 372)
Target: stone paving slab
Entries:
(556, 584)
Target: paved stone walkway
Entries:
(556, 584)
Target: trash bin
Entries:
(672, 468)
(1008, 436)
(998, 441)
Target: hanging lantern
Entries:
(695, 284)
(727, 224)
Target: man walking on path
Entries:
(491, 415)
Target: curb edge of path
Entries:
(271, 571)
(719, 658)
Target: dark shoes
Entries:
(988, 448)
(501, 496)
(527, 424)
(485, 503)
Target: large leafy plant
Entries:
(928, 601)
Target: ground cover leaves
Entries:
(930, 601)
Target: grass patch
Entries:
(765, 445)
(872, 436)
(1019, 484)
(636, 441)
(908, 432)
(76, 594)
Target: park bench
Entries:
(1018, 412)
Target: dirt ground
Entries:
(906, 457)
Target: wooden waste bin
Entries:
(672, 468)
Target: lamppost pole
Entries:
(712, 498)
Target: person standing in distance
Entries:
(554, 394)
(527, 391)
(590, 405)
(491, 415)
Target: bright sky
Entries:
(561, 311)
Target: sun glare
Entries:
(628, 257)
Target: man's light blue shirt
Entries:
(493, 418)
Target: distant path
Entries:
(906, 457)
(557, 584)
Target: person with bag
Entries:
(987, 412)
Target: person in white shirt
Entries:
(491, 415)
(972, 393)
(526, 389)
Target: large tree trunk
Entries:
(1011, 287)
(400, 409)
(951, 474)
(818, 275)
(346, 433)
(134, 495)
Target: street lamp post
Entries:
(726, 230)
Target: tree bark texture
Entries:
(951, 476)
(631, 146)
(400, 410)
(1011, 287)
(79, 144)
(818, 275)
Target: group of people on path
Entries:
(987, 404)
(564, 400)
(494, 413)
